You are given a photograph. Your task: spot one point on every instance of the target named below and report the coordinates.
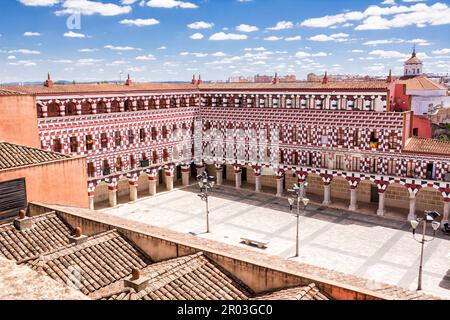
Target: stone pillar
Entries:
(412, 206)
(446, 210)
(219, 175)
(353, 200)
(257, 182)
(133, 190)
(185, 170)
(280, 186)
(381, 210)
(91, 201)
(169, 180)
(238, 178)
(112, 190)
(152, 187)
(326, 194)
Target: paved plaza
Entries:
(364, 245)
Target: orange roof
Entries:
(158, 87)
(7, 92)
(426, 145)
(421, 83)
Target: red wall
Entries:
(399, 100)
(424, 125)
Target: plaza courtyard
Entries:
(372, 247)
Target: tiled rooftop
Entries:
(310, 292)
(421, 83)
(9, 92)
(101, 260)
(425, 145)
(47, 232)
(16, 156)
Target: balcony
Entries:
(144, 163)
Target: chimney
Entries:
(199, 79)
(135, 281)
(49, 82)
(129, 82)
(194, 81)
(23, 222)
(78, 238)
(325, 78)
(389, 77)
(276, 79)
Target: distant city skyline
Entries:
(169, 40)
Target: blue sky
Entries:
(160, 40)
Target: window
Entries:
(89, 142)
(91, 169)
(373, 165)
(340, 137)
(106, 168)
(373, 140)
(334, 104)
(53, 110)
(303, 103)
(141, 105)
(324, 139)
(355, 163)
(295, 135)
(309, 159)
(71, 109)
(155, 157)
(119, 164)
(339, 162)
(115, 107)
(142, 135)
(56, 145)
(117, 138)
(410, 168)
(130, 136)
(165, 155)
(323, 160)
(154, 133)
(416, 132)
(73, 144)
(132, 162)
(295, 158)
(144, 162)
(392, 140)
(391, 167)
(350, 104)
(86, 108)
(104, 140)
(308, 135)
(128, 105)
(101, 107)
(356, 138)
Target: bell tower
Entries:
(413, 66)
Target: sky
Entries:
(170, 40)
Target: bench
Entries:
(259, 243)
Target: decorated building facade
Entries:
(344, 138)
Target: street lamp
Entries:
(429, 218)
(297, 193)
(206, 183)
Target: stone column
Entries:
(238, 178)
(219, 175)
(152, 187)
(169, 180)
(112, 190)
(257, 182)
(412, 206)
(133, 190)
(280, 186)
(326, 194)
(381, 210)
(91, 201)
(446, 210)
(185, 175)
(353, 200)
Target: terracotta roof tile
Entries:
(8, 92)
(421, 83)
(48, 232)
(425, 145)
(16, 156)
(101, 260)
(310, 292)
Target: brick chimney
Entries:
(49, 82)
(194, 81)
(199, 81)
(129, 82)
(389, 77)
(23, 222)
(78, 238)
(325, 78)
(136, 281)
(276, 79)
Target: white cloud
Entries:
(39, 3)
(303, 54)
(121, 48)
(295, 38)
(87, 7)
(31, 34)
(220, 36)
(197, 36)
(420, 42)
(71, 34)
(383, 54)
(246, 28)
(148, 57)
(219, 54)
(168, 4)
(85, 50)
(282, 25)
(357, 51)
(273, 38)
(11, 58)
(444, 51)
(88, 62)
(337, 37)
(200, 25)
(139, 22)
(25, 51)
(23, 63)
(162, 48)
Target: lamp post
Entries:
(428, 218)
(297, 194)
(206, 183)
